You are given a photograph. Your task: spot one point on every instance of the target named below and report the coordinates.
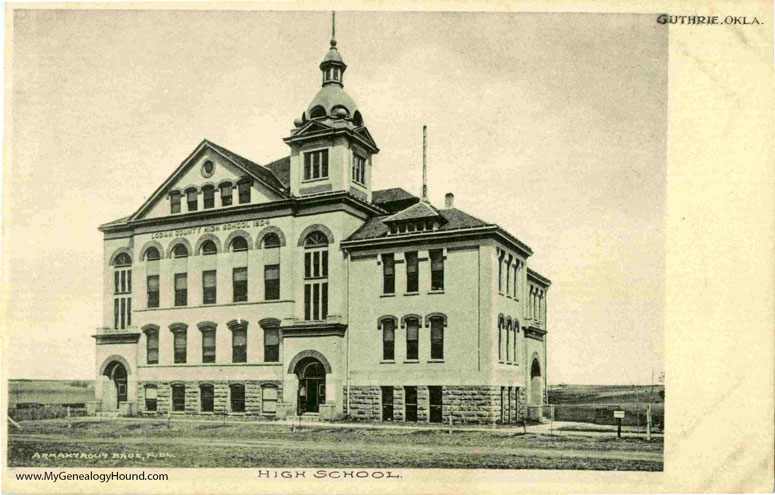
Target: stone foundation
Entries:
(462, 404)
(221, 400)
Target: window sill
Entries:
(216, 305)
(412, 361)
(388, 295)
(319, 179)
(436, 361)
(387, 362)
(207, 413)
(237, 414)
(359, 184)
(436, 291)
(411, 293)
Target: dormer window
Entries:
(316, 165)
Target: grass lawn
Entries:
(272, 445)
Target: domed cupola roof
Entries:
(332, 101)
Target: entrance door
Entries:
(312, 387)
(119, 379)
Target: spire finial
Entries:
(333, 28)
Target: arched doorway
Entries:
(312, 385)
(116, 374)
(536, 384)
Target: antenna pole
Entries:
(333, 25)
(424, 164)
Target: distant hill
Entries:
(605, 394)
(49, 391)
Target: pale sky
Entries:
(551, 125)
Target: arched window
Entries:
(317, 112)
(271, 246)
(180, 251)
(269, 400)
(208, 248)
(516, 332)
(315, 276)
(239, 244)
(437, 337)
(412, 338)
(500, 338)
(151, 393)
(122, 291)
(388, 338)
(508, 341)
(206, 398)
(179, 397)
(357, 118)
(237, 397)
(208, 344)
(152, 254)
(208, 196)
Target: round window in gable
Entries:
(208, 168)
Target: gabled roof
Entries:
(261, 174)
(266, 175)
(391, 195)
(414, 212)
(282, 170)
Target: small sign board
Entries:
(619, 414)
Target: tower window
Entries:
(359, 170)
(316, 165)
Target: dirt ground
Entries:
(144, 443)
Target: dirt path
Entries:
(353, 447)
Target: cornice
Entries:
(314, 330)
(117, 338)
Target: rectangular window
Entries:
(191, 199)
(508, 277)
(206, 397)
(226, 195)
(359, 170)
(435, 398)
(179, 398)
(387, 403)
(269, 400)
(240, 284)
(151, 393)
(412, 347)
(244, 192)
(153, 291)
(271, 345)
(500, 272)
(412, 276)
(123, 312)
(388, 274)
(437, 269)
(271, 282)
(239, 345)
(388, 340)
(410, 404)
(208, 345)
(208, 287)
(181, 289)
(316, 290)
(508, 404)
(175, 202)
(503, 404)
(316, 165)
(237, 398)
(180, 347)
(208, 197)
(115, 313)
(437, 338)
(152, 347)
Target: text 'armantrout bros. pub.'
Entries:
(295, 288)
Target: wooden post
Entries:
(648, 422)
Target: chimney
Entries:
(449, 201)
